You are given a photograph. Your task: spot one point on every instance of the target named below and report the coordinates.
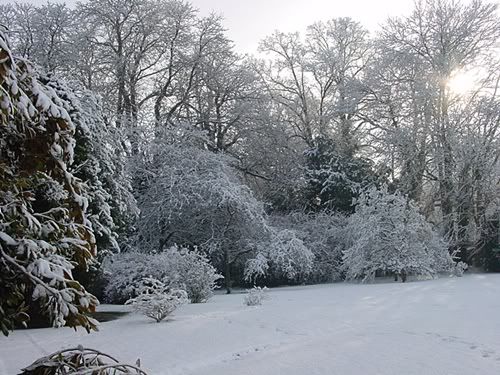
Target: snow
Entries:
(446, 326)
(7, 239)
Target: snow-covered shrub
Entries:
(124, 271)
(257, 267)
(388, 234)
(255, 296)
(284, 255)
(186, 269)
(290, 256)
(323, 233)
(79, 361)
(157, 300)
(460, 268)
(192, 271)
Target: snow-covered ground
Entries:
(447, 326)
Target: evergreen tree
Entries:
(44, 230)
(335, 178)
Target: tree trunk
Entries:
(227, 274)
(403, 276)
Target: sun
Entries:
(462, 82)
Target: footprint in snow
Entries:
(485, 353)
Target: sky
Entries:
(249, 21)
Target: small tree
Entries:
(156, 299)
(388, 234)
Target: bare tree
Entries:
(428, 126)
(316, 79)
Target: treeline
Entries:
(132, 127)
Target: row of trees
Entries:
(140, 129)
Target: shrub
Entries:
(79, 361)
(285, 255)
(157, 300)
(124, 271)
(193, 273)
(460, 268)
(324, 234)
(183, 268)
(255, 296)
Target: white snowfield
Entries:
(449, 326)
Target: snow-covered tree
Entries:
(314, 79)
(334, 178)
(272, 161)
(157, 300)
(388, 234)
(427, 129)
(44, 231)
(197, 197)
(130, 35)
(194, 197)
(41, 33)
(228, 94)
(99, 162)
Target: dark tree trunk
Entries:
(227, 277)
(403, 276)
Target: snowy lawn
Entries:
(447, 326)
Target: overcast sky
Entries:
(248, 21)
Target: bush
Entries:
(255, 296)
(324, 234)
(460, 268)
(79, 361)
(124, 271)
(184, 269)
(284, 255)
(156, 299)
(192, 272)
